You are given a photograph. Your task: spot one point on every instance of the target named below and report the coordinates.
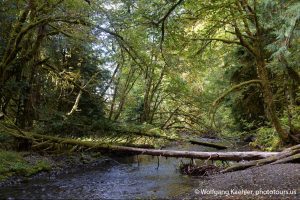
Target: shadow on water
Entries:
(126, 177)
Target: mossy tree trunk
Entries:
(254, 41)
(268, 98)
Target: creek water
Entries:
(126, 177)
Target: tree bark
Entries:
(255, 45)
(288, 155)
(269, 100)
(234, 156)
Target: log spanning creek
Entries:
(130, 177)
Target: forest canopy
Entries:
(225, 68)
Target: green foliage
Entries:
(75, 125)
(144, 128)
(12, 163)
(155, 64)
(102, 125)
(6, 140)
(295, 110)
(247, 104)
(267, 139)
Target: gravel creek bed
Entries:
(278, 178)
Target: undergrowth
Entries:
(13, 163)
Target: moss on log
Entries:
(102, 147)
(188, 140)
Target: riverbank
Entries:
(20, 167)
(279, 181)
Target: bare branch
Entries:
(75, 106)
(163, 21)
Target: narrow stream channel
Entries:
(129, 177)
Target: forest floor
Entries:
(279, 181)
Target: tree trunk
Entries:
(113, 102)
(234, 156)
(146, 103)
(291, 154)
(269, 100)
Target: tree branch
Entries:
(163, 21)
(75, 106)
(232, 89)
(219, 40)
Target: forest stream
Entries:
(129, 177)
(87, 85)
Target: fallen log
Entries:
(288, 155)
(233, 156)
(97, 146)
(188, 140)
(289, 159)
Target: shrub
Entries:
(266, 138)
(12, 163)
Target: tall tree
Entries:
(240, 22)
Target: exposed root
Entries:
(193, 170)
